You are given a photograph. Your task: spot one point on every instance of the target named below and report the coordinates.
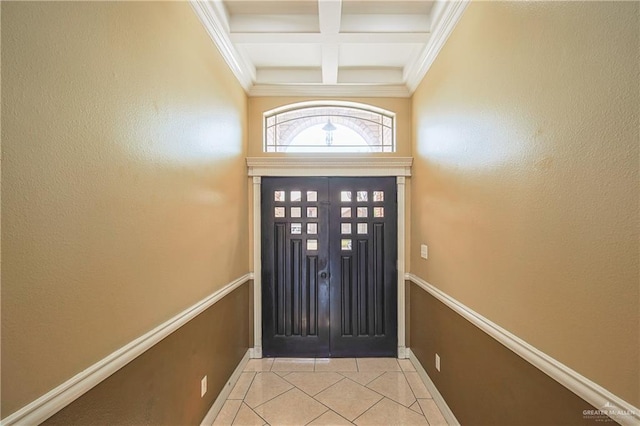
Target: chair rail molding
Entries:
(55, 400)
(610, 404)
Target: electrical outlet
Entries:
(437, 362)
(424, 251)
(203, 386)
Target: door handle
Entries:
(323, 275)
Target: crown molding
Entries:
(442, 28)
(212, 16)
(353, 90)
(329, 166)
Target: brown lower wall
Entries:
(162, 386)
(482, 381)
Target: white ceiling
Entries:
(329, 47)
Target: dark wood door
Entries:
(329, 249)
(363, 253)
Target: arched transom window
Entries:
(329, 127)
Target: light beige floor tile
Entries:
(227, 413)
(282, 373)
(293, 364)
(406, 365)
(330, 419)
(393, 385)
(432, 412)
(417, 385)
(336, 364)
(363, 377)
(242, 385)
(348, 398)
(313, 383)
(416, 407)
(247, 417)
(263, 364)
(291, 408)
(378, 364)
(265, 386)
(388, 412)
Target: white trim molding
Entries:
(615, 407)
(226, 390)
(329, 166)
(257, 270)
(213, 17)
(342, 90)
(53, 401)
(433, 390)
(326, 166)
(444, 21)
(400, 266)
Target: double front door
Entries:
(329, 277)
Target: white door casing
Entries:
(399, 167)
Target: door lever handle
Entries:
(323, 275)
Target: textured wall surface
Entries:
(484, 382)
(162, 386)
(525, 181)
(124, 183)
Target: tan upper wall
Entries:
(124, 185)
(259, 105)
(525, 182)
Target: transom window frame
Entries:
(352, 122)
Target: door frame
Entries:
(398, 167)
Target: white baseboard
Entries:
(607, 402)
(226, 390)
(55, 400)
(431, 387)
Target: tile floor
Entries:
(336, 391)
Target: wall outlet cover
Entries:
(203, 386)
(424, 251)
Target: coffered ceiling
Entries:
(329, 47)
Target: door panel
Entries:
(329, 266)
(295, 240)
(363, 253)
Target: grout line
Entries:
(339, 415)
(316, 418)
(274, 397)
(365, 411)
(254, 412)
(235, 415)
(245, 392)
(420, 408)
(409, 384)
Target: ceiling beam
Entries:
(329, 16)
(370, 75)
(365, 91)
(274, 23)
(354, 38)
(330, 57)
(353, 23)
(288, 76)
(385, 23)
